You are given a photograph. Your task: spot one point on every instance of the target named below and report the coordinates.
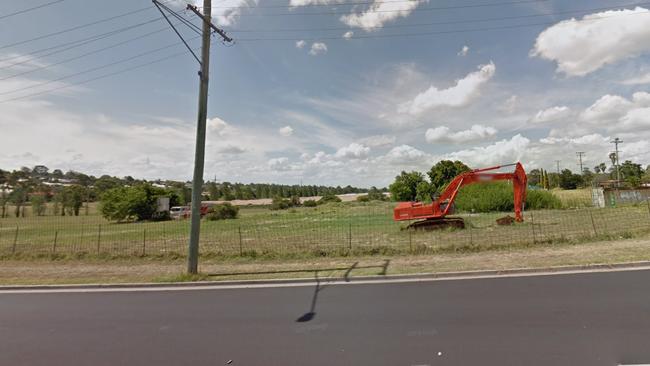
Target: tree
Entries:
(138, 202)
(73, 199)
(18, 197)
(631, 173)
(444, 171)
(568, 180)
(404, 188)
(38, 204)
(535, 177)
(425, 191)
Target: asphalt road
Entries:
(578, 319)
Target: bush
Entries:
(280, 203)
(310, 203)
(138, 202)
(363, 198)
(499, 196)
(328, 198)
(223, 211)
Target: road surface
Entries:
(575, 319)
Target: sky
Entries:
(326, 92)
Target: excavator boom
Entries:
(436, 212)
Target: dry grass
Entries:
(143, 270)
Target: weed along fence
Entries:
(333, 229)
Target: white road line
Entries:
(289, 284)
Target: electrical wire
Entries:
(74, 44)
(412, 25)
(30, 9)
(92, 69)
(177, 32)
(416, 34)
(468, 6)
(95, 78)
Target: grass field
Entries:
(330, 230)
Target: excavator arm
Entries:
(439, 208)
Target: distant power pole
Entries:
(580, 155)
(557, 163)
(617, 141)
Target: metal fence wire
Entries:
(336, 229)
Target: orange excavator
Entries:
(434, 215)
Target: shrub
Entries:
(328, 198)
(310, 203)
(499, 196)
(223, 211)
(138, 202)
(363, 198)
(280, 203)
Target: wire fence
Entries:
(336, 229)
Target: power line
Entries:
(31, 9)
(75, 28)
(416, 34)
(92, 69)
(435, 23)
(436, 8)
(157, 4)
(74, 44)
(83, 55)
(96, 78)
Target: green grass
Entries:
(574, 198)
(340, 229)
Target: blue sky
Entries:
(351, 95)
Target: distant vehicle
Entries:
(184, 212)
(180, 212)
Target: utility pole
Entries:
(580, 155)
(617, 141)
(199, 155)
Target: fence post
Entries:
(144, 242)
(350, 236)
(99, 237)
(593, 224)
(56, 236)
(532, 225)
(13, 248)
(471, 238)
(241, 247)
(410, 241)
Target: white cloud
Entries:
(463, 51)
(226, 13)
(348, 34)
(637, 80)
(318, 48)
(501, 152)
(296, 3)
(456, 96)
(444, 134)
(509, 105)
(218, 126)
(378, 141)
(405, 154)
(231, 150)
(280, 164)
(353, 151)
(552, 114)
(286, 131)
(379, 13)
(606, 110)
(591, 139)
(300, 44)
(582, 46)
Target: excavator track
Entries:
(438, 224)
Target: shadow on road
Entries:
(308, 316)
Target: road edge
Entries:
(515, 272)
